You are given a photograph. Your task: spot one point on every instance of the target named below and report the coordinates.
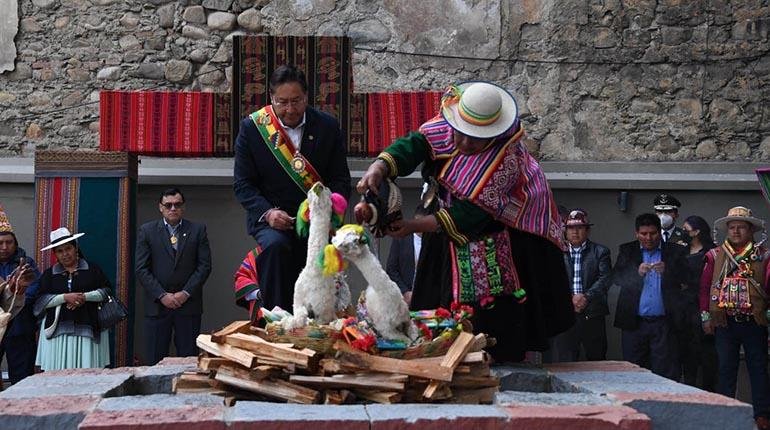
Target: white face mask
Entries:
(666, 221)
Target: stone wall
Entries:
(675, 80)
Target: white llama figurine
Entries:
(385, 305)
(313, 292)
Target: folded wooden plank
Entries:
(451, 359)
(269, 387)
(255, 344)
(349, 356)
(386, 397)
(240, 356)
(211, 363)
(234, 327)
(191, 381)
(348, 381)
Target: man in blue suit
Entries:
(18, 344)
(280, 151)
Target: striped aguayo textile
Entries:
(165, 124)
(327, 64)
(93, 193)
(763, 174)
(392, 115)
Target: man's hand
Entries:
(372, 178)
(408, 297)
(644, 268)
(579, 302)
(181, 297)
(279, 219)
(659, 266)
(169, 300)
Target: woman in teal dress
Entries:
(494, 240)
(68, 299)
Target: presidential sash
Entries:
(296, 166)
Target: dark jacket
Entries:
(260, 183)
(596, 271)
(25, 322)
(159, 270)
(400, 266)
(626, 275)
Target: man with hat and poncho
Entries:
(19, 272)
(494, 237)
(734, 306)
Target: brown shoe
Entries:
(763, 423)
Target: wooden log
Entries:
(479, 342)
(484, 396)
(234, 327)
(264, 371)
(349, 356)
(332, 397)
(289, 368)
(190, 381)
(386, 397)
(468, 381)
(305, 359)
(452, 358)
(348, 381)
(331, 366)
(470, 358)
(211, 363)
(271, 388)
(472, 370)
(240, 356)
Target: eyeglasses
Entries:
(170, 206)
(289, 103)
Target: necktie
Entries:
(665, 236)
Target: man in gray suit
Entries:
(173, 261)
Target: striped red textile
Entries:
(170, 124)
(392, 115)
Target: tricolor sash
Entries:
(296, 166)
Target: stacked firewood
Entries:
(239, 364)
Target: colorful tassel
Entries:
(302, 224)
(339, 206)
(331, 261)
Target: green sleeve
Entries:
(463, 220)
(94, 296)
(56, 301)
(405, 154)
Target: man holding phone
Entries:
(649, 273)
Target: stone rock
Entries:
(103, 2)
(199, 55)
(178, 70)
(158, 2)
(129, 20)
(707, 149)
(223, 5)
(194, 14)
(129, 42)
(78, 74)
(70, 130)
(675, 35)
(72, 98)
(737, 151)
(30, 25)
(155, 43)
(605, 38)
(251, 20)
(6, 98)
(43, 4)
(22, 71)
(193, 32)
(61, 22)
(166, 16)
(221, 21)
(93, 126)
(724, 114)
(764, 148)
(224, 54)
(33, 131)
(370, 30)
(9, 27)
(209, 75)
(111, 73)
(148, 71)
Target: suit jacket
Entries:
(626, 275)
(161, 271)
(260, 183)
(679, 237)
(595, 271)
(400, 266)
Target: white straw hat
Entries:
(740, 213)
(479, 109)
(61, 236)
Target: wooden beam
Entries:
(453, 357)
(349, 381)
(255, 344)
(240, 356)
(272, 388)
(234, 327)
(349, 356)
(211, 363)
(385, 397)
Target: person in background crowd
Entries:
(589, 269)
(18, 344)
(173, 261)
(734, 306)
(667, 208)
(280, 151)
(696, 349)
(68, 300)
(403, 256)
(650, 274)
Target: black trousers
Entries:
(588, 335)
(652, 345)
(279, 264)
(186, 329)
(20, 352)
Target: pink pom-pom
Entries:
(339, 204)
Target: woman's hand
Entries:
(405, 227)
(74, 300)
(373, 177)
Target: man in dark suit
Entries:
(589, 268)
(173, 261)
(649, 273)
(279, 152)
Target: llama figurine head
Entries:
(351, 240)
(320, 197)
